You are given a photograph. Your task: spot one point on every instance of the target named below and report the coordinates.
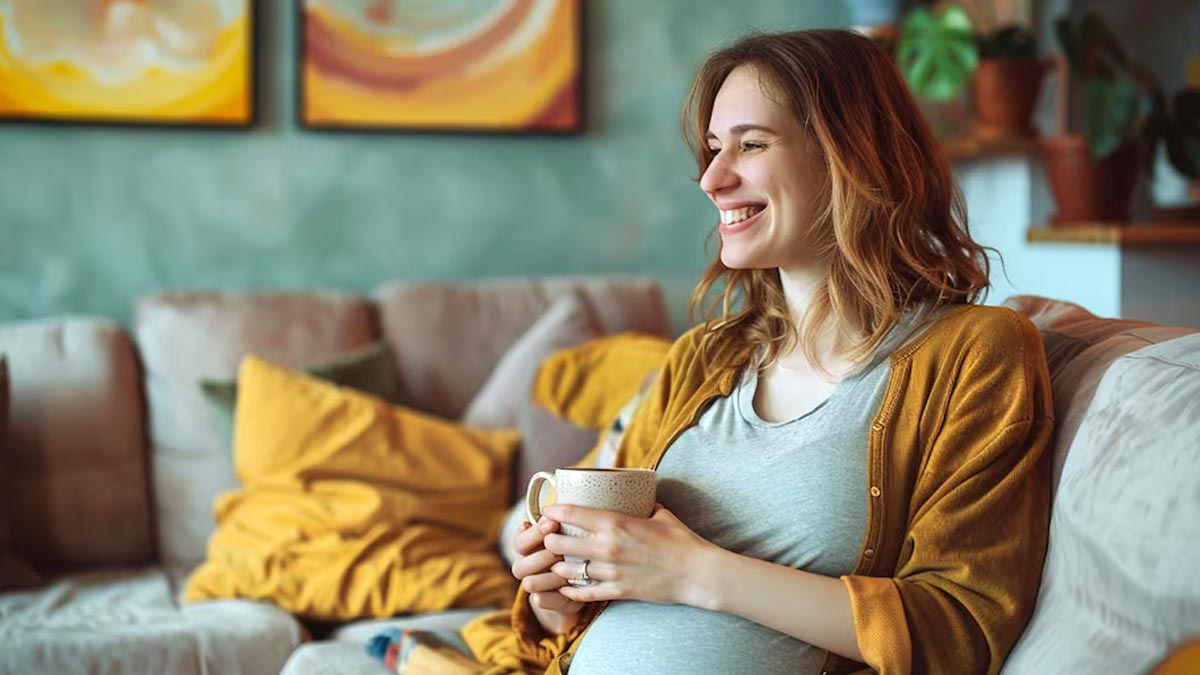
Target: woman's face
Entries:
(765, 178)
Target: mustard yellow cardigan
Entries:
(958, 494)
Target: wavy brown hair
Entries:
(893, 227)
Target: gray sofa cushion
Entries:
(346, 653)
(128, 622)
(1119, 586)
(360, 632)
(332, 658)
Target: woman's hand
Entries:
(532, 568)
(655, 559)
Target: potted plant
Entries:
(937, 54)
(1173, 137)
(1007, 81)
(937, 51)
(941, 51)
(1093, 175)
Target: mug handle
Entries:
(533, 495)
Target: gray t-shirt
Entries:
(792, 493)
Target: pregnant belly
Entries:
(632, 638)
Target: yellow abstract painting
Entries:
(475, 65)
(127, 61)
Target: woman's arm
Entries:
(806, 606)
(658, 559)
(539, 639)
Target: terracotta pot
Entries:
(1087, 190)
(1005, 92)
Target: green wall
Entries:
(93, 218)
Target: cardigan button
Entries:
(869, 553)
(875, 491)
(877, 426)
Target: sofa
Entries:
(111, 460)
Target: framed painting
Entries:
(143, 62)
(490, 66)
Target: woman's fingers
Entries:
(592, 520)
(596, 570)
(534, 563)
(595, 593)
(584, 547)
(540, 583)
(556, 602)
(529, 539)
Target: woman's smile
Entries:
(735, 220)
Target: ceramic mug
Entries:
(628, 491)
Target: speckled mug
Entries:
(628, 491)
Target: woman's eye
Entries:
(747, 146)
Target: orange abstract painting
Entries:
(127, 61)
(477, 65)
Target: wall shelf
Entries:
(974, 145)
(1180, 233)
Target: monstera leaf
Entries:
(937, 52)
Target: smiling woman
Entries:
(851, 453)
(766, 176)
(860, 180)
(139, 61)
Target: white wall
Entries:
(1007, 195)
(1002, 201)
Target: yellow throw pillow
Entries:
(353, 508)
(589, 384)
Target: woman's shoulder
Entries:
(703, 345)
(692, 339)
(983, 330)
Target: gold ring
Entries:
(583, 575)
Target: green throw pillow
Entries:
(369, 369)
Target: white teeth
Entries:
(738, 215)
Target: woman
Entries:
(851, 454)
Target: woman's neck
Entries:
(800, 286)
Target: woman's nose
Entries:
(718, 176)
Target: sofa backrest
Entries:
(186, 337)
(1080, 347)
(73, 479)
(445, 339)
(1119, 584)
